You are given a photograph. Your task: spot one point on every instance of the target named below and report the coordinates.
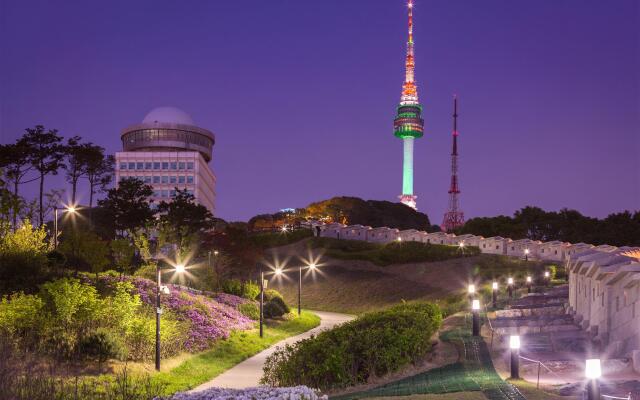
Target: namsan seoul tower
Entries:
(454, 217)
(408, 124)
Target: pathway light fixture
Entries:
(475, 311)
(593, 372)
(69, 209)
(510, 287)
(514, 346)
(160, 289)
(529, 280)
(494, 294)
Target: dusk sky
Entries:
(301, 95)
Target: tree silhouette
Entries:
(46, 154)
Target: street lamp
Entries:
(514, 345)
(528, 284)
(263, 285)
(475, 310)
(510, 287)
(215, 260)
(494, 294)
(593, 372)
(70, 210)
(547, 276)
(161, 289)
(311, 267)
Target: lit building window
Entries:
(181, 179)
(147, 165)
(123, 165)
(165, 179)
(172, 179)
(189, 165)
(147, 179)
(132, 165)
(156, 179)
(190, 179)
(140, 165)
(181, 165)
(156, 165)
(165, 165)
(174, 165)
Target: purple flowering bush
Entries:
(208, 319)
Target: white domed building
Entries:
(168, 151)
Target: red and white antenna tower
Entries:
(454, 217)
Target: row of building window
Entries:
(140, 166)
(168, 193)
(163, 179)
(149, 135)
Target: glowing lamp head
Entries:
(399, 239)
(528, 279)
(284, 228)
(180, 268)
(494, 285)
(71, 209)
(475, 305)
(546, 274)
(312, 266)
(514, 342)
(592, 369)
(410, 4)
(526, 251)
(215, 253)
(461, 244)
(278, 271)
(510, 281)
(472, 289)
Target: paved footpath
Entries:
(248, 373)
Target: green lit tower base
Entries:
(408, 124)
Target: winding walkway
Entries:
(248, 373)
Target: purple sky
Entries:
(302, 95)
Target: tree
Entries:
(14, 161)
(99, 170)
(84, 250)
(46, 154)
(122, 253)
(10, 206)
(182, 219)
(77, 156)
(129, 205)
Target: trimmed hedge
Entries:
(374, 344)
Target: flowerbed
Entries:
(209, 319)
(255, 393)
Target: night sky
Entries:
(301, 95)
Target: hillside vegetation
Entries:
(391, 253)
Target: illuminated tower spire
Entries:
(408, 124)
(453, 218)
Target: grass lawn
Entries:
(447, 396)
(204, 366)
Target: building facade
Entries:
(168, 151)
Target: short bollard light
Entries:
(475, 311)
(471, 290)
(593, 372)
(510, 287)
(514, 345)
(547, 276)
(494, 294)
(529, 284)
(526, 254)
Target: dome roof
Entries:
(169, 115)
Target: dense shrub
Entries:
(391, 253)
(276, 307)
(236, 287)
(101, 345)
(372, 345)
(250, 310)
(500, 267)
(23, 259)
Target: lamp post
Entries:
(526, 254)
(514, 345)
(263, 285)
(547, 276)
(510, 287)
(165, 290)
(215, 260)
(528, 284)
(593, 371)
(494, 294)
(70, 210)
(475, 310)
